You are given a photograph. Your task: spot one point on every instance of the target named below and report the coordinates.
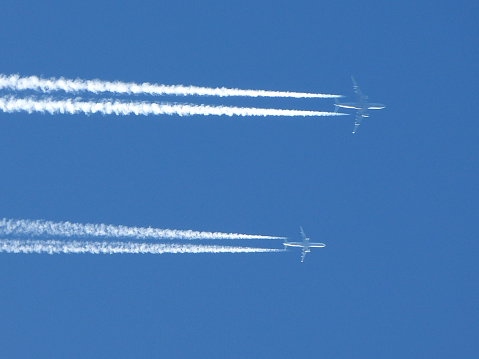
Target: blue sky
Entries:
(396, 204)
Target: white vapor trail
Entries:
(68, 247)
(52, 106)
(25, 227)
(17, 83)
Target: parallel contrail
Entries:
(52, 106)
(25, 227)
(68, 247)
(17, 83)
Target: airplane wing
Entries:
(303, 255)
(357, 90)
(357, 121)
(302, 233)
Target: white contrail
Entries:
(52, 106)
(25, 227)
(68, 247)
(17, 83)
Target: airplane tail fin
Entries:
(336, 102)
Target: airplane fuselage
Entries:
(306, 245)
(361, 105)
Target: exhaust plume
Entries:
(25, 227)
(109, 107)
(71, 247)
(17, 83)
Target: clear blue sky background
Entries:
(396, 204)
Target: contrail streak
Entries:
(51, 106)
(17, 83)
(25, 227)
(69, 247)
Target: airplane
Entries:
(306, 245)
(362, 105)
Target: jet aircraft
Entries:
(306, 245)
(362, 105)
